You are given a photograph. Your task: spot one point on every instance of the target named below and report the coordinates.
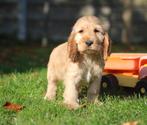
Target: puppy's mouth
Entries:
(90, 51)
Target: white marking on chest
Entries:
(89, 69)
(92, 69)
(88, 77)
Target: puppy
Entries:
(79, 61)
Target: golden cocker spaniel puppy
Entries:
(79, 61)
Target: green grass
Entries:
(23, 81)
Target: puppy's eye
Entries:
(96, 31)
(81, 31)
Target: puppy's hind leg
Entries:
(51, 89)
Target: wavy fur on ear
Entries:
(106, 46)
(74, 54)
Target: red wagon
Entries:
(127, 70)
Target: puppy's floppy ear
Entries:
(106, 46)
(72, 48)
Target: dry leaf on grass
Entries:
(11, 106)
(131, 123)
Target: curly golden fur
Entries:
(79, 61)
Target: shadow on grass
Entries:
(23, 58)
(122, 92)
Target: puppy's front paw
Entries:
(72, 105)
(49, 97)
(96, 101)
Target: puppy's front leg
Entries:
(71, 96)
(51, 89)
(71, 82)
(93, 90)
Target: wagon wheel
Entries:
(141, 87)
(109, 84)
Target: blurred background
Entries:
(28, 25)
(51, 20)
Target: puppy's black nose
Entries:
(89, 43)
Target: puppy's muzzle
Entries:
(89, 43)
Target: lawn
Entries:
(23, 81)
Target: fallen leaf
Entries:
(131, 123)
(11, 106)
